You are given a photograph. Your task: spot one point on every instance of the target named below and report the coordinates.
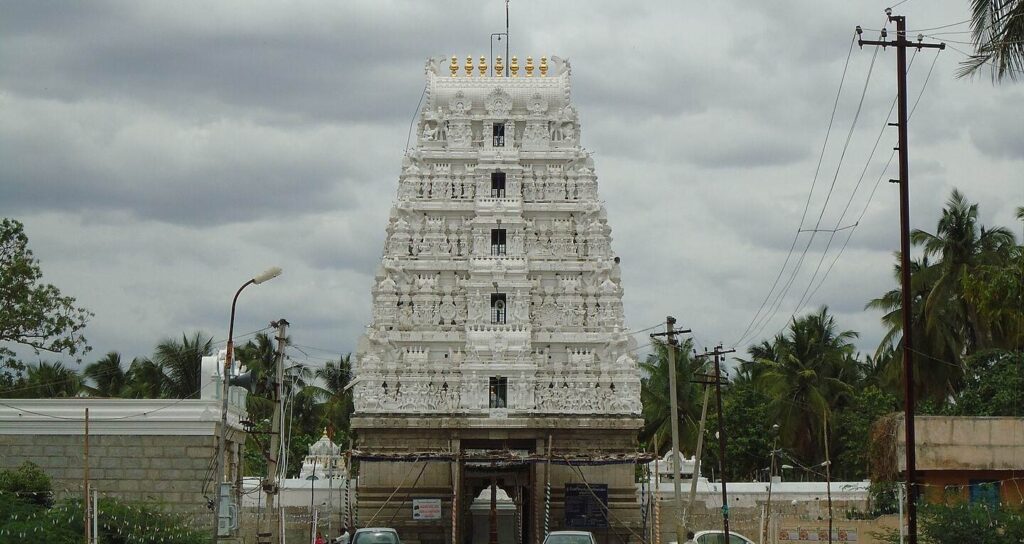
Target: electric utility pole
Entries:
(716, 380)
(670, 334)
(270, 485)
(901, 44)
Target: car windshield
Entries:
(719, 538)
(568, 539)
(376, 537)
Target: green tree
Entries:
(656, 399)
(109, 378)
(145, 379)
(954, 306)
(993, 385)
(748, 422)
(997, 30)
(851, 430)
(962, 245)
(33, 313)
(180, 363)
(259, 356)
(46, 380)
(812, 373)
(29, 483)
(965, 522)
(337, 401)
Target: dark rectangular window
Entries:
(984, 492)
(499, 309)
(497, 242)
(498, 392)
(497, 184)
(499, 135)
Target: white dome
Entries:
(324, 447)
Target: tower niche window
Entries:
(497, 184)
(498, 392)
(498, 242)
(498, 132)
(499, 309)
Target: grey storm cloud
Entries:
(160, 154)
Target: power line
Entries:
(780, 296)
(807, 204)
(129, 416)
(882, 174)
(842, 216)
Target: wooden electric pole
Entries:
(716, 380)
(670, 334)
(901, 44)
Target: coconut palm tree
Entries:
(50, 380)
(332, 379)
(962, 245)
(145, 380)
(180, 363)
(259, 356)
(936, 370)
(812, 373)
(656, 399)
(997, 30)
(948, 323)
(108, 377)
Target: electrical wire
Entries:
(412, 121)
(849, 135)
(807, 204)
(780, 296)
(95, 419)
(880, 176)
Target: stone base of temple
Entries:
(405, 462)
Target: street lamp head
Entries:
(267, 274)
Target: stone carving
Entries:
(431, 347)
(498, 103)
(460, 104)
(538, 105)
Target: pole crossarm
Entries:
(897, 43)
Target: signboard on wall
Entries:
(586, 506)
(426, 509)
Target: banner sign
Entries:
(426, 509)
(586, 506)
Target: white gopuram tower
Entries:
(498, 330)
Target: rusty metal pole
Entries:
(86, 514)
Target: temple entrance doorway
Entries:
(497, 497)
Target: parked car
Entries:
(375, 535)
(569, 537)
(718, 537)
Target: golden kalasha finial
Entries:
(469, 65)
(499, 68)
(483, 66)
(454, 66)
(514, 66)
(543, 67)
(529, 66)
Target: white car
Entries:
(375, 535)
(569, 537)
(718, 537)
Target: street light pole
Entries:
(268, 274)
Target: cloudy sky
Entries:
(162, 153)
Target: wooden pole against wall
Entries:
(86, 514)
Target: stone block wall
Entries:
(167, 469)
